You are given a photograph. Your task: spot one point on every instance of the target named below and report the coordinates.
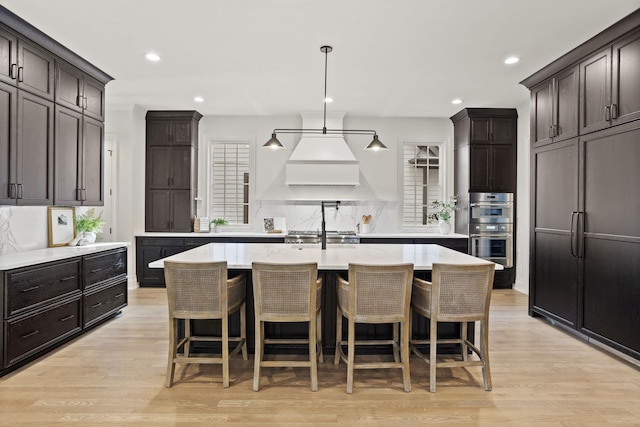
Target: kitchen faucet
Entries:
(324, 225)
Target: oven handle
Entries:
(490, 236)
(496, 205)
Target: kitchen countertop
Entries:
(38, 256)
(263, 234)
(335, 257)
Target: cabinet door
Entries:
(158, 132)
(35, 150)
(181, 210)
(626, 79)
(554, 273)
(35, 69)
(181, 167)
(158, 210)
(612, 236)
(69, 83)
(93, 92)
(480, 129)
(92, 162)
(8, 57)
(181, 132)
(159, 165)
(8, 109)
(68, 148)
(503, 167)
(480, 170)
(565, 105)
(502, 131)
(541, 106)
(595, 93)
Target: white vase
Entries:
(444, 226)
(89, 236)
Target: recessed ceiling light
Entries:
(152, 57)
(457, 101)
(328, 99)
(511, 60)
(198, 99)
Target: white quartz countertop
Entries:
(38, 256)
(264, 234)
(335, 257)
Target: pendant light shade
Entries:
(274, 143)
(374, 145)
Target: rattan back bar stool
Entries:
(287, 293)
(203, 291)
(457, 293)
(375, 294)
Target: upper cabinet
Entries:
(609, 85)
(485, 146)
(78, 91)
(45, 86)
(554, 108)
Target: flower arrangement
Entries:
(89, 222)
(443, 209)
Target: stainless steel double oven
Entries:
(491, 227)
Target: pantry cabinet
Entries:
(585, 236)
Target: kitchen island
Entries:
(332, 262)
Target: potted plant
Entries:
(89, 224)
(217, 223)
(443, 213)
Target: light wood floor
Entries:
(115, 375)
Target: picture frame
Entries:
(62, 225)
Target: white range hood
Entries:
(322, 160)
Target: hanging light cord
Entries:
(326, 50)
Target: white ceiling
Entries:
(391, 58)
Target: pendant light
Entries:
(374, 145)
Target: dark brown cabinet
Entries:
(485, 148)
(78, 91)
(585, 236)
(554, 108)
(171, 170)
(35, 71)
(47, 304)
(26, 140)
(79, 145)
(609, 85)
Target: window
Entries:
(230, 164)
(422, 181)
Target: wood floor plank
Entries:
(115, 375)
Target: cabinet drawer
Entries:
(104, 302)
(103, 266)
(161, 241)
(28, 335)
(28, 288)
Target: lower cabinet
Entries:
(45, 304)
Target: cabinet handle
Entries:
(614, 111)
(607, 113)
(120, 295)
(33, 288)
(13, 73)
(19, 191)
(555, 131)
(79, 101)
(550, 132)
(98, 304)
(69, 317)
(20, 74)
(64, 279)
(572, 233)
(30, 334)
(97, 270)
(84, 102)
(580, 234)
(84, 194)
(78, 194)
(13, 191)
